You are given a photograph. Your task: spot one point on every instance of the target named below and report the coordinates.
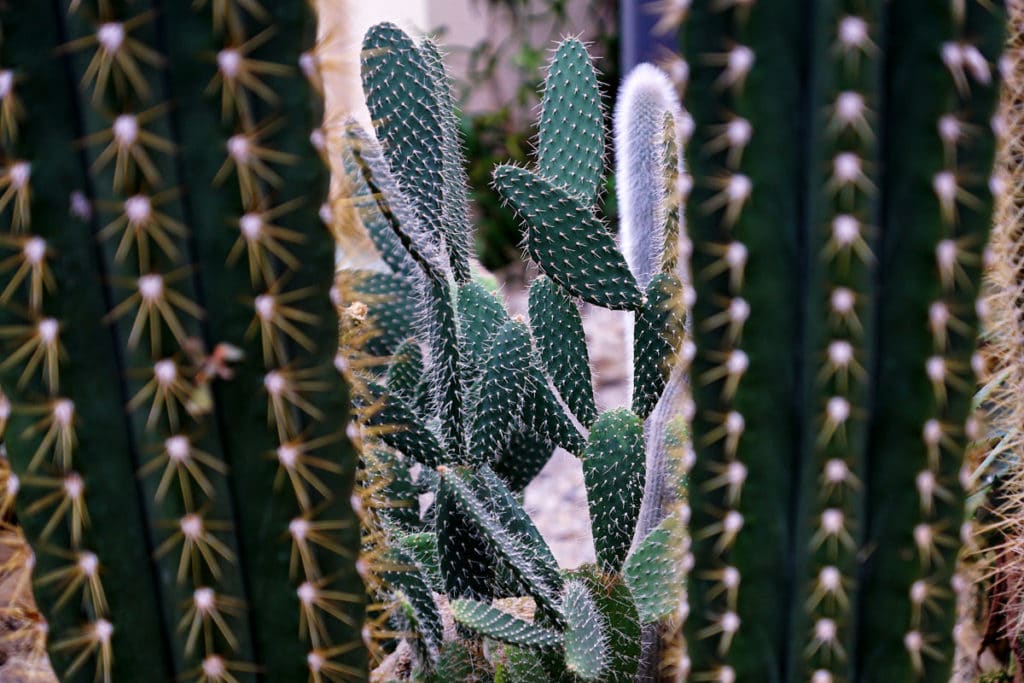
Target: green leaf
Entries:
(502, 626)
(614, 470)
(567, 241)
(500, 403)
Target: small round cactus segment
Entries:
(156, 372)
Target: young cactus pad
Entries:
(475, 400)
(178, 436)
(840, 205)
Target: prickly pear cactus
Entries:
(177, 437)
(467, 402)
(840, 205)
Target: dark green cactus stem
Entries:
(839, 210)
(180, 431)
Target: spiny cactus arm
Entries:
(502, 626)
(465, 562)
(143, 226)
(399, 425)
(659, 330)
(62, 418)
(305, 408)
(422, 548)
(882, 472)
(586, 644)
(401, 87)
(447, 391)
(416, 235)
(401, 493)
(613, 470)
(569, 243)
(655, 570)
(646, 116)
(622, 626)
(497, 496)
(406, 577)
(514, 551)
(547, 417)
(570, 141)
(481, 314)
(501, 396)
(405, 376)
(459, 231)
(374, 220)
(562, 347)
(523, 458)
(952, 215)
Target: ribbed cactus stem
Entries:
(185, 434)
(836, 283)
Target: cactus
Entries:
(475, 399)
(993, 609)
(178, 433)
(839, 209)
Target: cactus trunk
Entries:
(844, 199)
(165, 422)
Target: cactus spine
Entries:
(189, 511)
(839, 209)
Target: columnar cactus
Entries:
(475, 400)
(177, 437)
(998, 473)
(839, 209)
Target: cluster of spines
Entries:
(146, 249)
(843, 240)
